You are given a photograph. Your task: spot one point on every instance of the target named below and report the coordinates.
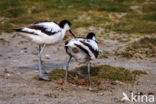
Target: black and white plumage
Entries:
(83, 50)
(45, 33)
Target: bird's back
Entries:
(82, 49)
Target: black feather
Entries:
(18, 30)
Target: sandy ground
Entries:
(18, 67)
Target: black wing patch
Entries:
(21, 30)
(95, 52)
(43, 29)
(83, 49)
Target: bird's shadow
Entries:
(48, 66)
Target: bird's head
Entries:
(91, 35)
(65, 24)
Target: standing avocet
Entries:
(83, 50)
(45, 33)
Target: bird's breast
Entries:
(53, 39)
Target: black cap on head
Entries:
(91, 35)
(62, 23)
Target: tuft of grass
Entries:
(139, 72)
(126, 54)
(103, 56)
(60, 74)
(107, 72)
(145, 47)
(99, 73)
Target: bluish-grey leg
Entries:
(67, 66)
(40, 65)
(90, 85)
(39, 50)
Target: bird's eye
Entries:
(75, 50)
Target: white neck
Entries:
(93, 38)
(63, 33)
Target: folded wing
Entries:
(41, 28)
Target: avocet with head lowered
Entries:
(45, 33)
(83, 50)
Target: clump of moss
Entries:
(145, 47)
(107, 72)
(58, 76)
(99, 73)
